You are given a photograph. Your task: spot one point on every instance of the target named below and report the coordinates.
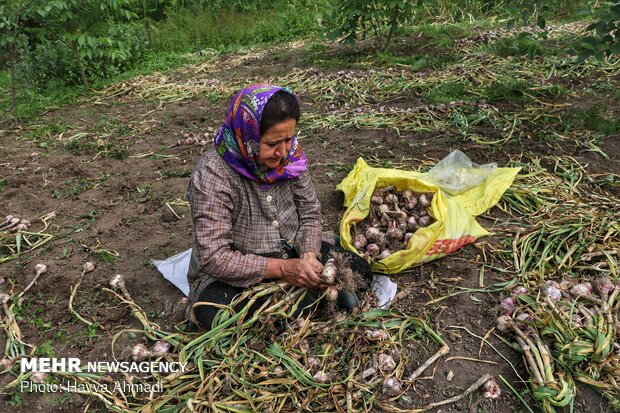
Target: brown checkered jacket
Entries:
(237, 225)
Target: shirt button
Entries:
(275, 224)
(269, 198)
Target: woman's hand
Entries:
(314, 261)
(301, 272)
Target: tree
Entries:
(10, 14)
(605, 40)
(381, 18)
(87, 28)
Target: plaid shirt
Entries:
(237, 224)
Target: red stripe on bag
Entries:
(447, 246)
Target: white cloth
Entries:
(175, 268)
(385, 290)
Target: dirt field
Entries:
(109, 171)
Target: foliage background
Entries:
(53, 51)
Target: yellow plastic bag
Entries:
(455, 224)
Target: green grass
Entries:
(416, 62)
(72, 187)
(448, 92)
(106, 256)
(359, 60)
(506, 89)
(444, 34)
(593, 119)
(192, 29)
(425, 46)
(111, 148)
(520, 45)
(178, 173)
(46, 349)
(44, 132)
(195, 34)
(30, 103)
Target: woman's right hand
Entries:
(296, 271)
(301, 273)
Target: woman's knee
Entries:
(216, 293)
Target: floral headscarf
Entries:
(238, 138)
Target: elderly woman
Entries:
(255, 213)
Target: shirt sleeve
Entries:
(309, 209)
(211, 200)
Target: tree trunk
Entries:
(147, 26)
(13, 86)
(149, 33)
(12, 73)
(393, 25)
(78, 61)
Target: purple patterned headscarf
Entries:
(238, 138)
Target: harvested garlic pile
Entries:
(394, 217)
(14, 224)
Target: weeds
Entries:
(103, 146)
(506, 90)
(448, 92)
(593, 119)
(520, 45)
(43, 133)
(178, 173)
(107, 256)
(72, 187)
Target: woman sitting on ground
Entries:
(255, 213)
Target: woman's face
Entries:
(275, 143)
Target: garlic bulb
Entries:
(38, 377)
(385, 363)
(424, 221)
(140, 352)
(332, 294)
(491, 389)
(161, 347)
(552, 291)
(314, 363)
(279, 371)
(373, 234)
(503, 323)
(384, 254)
(379, 335)
(507, 306)
(117, 281)
(322, 377)
(40, 269)
(581, 289)
(329, 272)
(360, 242)
(392, 386)
(373, 249)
